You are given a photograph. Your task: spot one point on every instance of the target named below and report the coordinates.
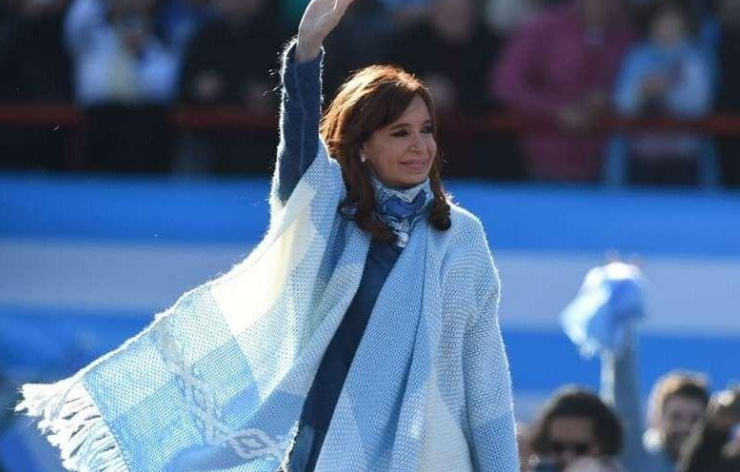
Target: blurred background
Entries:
(137, 138)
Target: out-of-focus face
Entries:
(669, 28)
(401, 154)
(570, 439)
(680, 414)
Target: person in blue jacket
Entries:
(668, 75)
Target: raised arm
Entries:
(619, 388)
(301, 94)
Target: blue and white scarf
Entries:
(401, 208)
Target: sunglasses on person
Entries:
(578, 448)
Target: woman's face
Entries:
(401, 154)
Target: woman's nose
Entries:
(418, 142)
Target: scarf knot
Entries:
(401, 208)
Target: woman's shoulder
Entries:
(464, 220)
(466, 231)
(464, 253)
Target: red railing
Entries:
(234, 118)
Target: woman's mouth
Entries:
(416, 165)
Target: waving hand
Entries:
(319, 19)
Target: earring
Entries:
(363, 157)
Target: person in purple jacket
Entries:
(560, 68)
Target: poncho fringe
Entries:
(74, 424)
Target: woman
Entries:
(263, 368)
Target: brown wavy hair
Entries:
(373, 98)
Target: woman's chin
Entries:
(411, 182)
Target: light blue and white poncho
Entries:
(217, 382)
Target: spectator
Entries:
(451, 49)
(677, 402)
(506, 16)
(728, 93)
(575, 424)
(117, 57)
(560, 68)
(669, 75)
(35, 69)
(34, 63)
(177, 21)
(125, 79)
(711, 447)
(600, 321)
(229, 62)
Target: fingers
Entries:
(343, 4)
(320, 18)
(340, 7)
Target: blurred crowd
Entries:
(685, 427)
(689, 431)
(559, 67)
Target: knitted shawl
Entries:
(217, 382)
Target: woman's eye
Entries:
(428, 130)
(399, 134)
